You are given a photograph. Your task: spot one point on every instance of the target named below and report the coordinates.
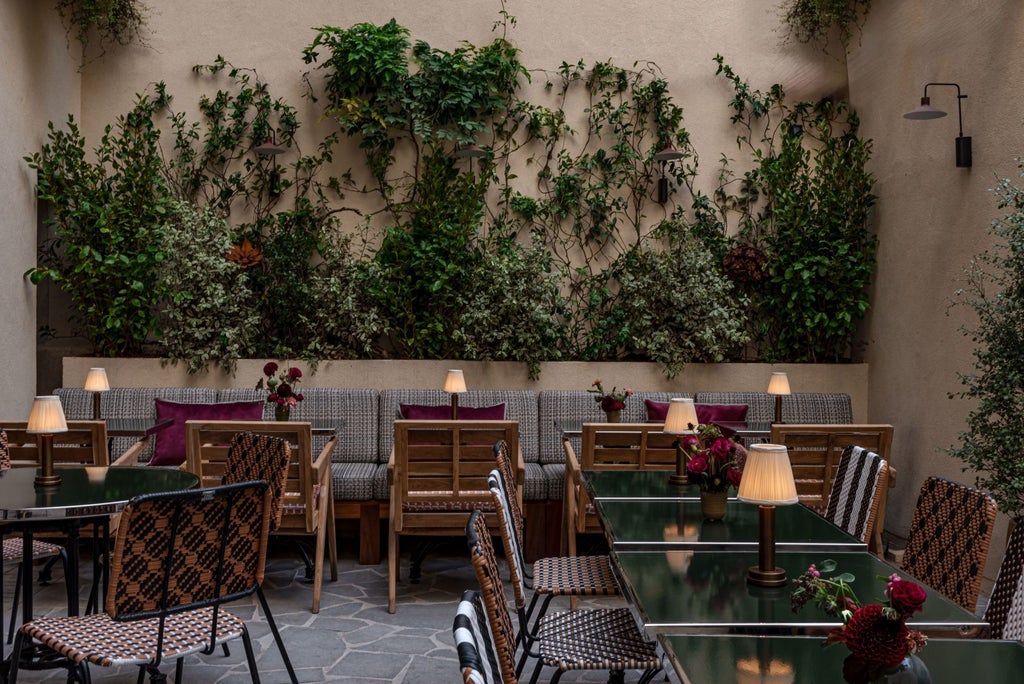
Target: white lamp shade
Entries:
(778, 384)
(455, 382)
(767, 476)
(96, 380)
(46, 417)
(681, 417)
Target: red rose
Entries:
(294, 374)
(284, 390)
(697, 465)
(299, 397)
(720, 448)
(690, 443)
(733, 476)
(271, 397)
(270, 368)
(906, 597)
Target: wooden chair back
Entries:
(440, 470)
(627, 446)
(308, 499)
(85, 443)
(815, 450)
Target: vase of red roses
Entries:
(714, 463)
(281, 389)
(612, 402)
(882, 647)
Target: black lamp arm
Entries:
(959, 113)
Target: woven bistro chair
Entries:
(1005, 611)
(261, 458)
(857, 500)
(178, 557)
(600, 639)
(571, 576)
(13, 551)
(949, 538)
(474, 642)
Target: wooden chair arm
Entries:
(131, 455)
(322, 463)
(391, 467)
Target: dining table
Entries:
(738, 659)
(86, 495)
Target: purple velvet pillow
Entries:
(444, 412)
(706, 413)
(170, 442)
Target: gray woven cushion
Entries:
(520, 405)
(535, 484)
(554, 476)
(355, 481)
(354, 411)
(813, 407)
(571, 406)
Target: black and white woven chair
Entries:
(1005, 611)
(478, 660)
(600, 639)
(858, 489)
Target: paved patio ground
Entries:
(353, 638)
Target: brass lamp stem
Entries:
(778, 408)
(765, 574)
(46, 476)
(96, 406)
(455, 406)
(679, 477)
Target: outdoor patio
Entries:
(353, 638)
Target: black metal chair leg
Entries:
(179, 669)
(14, 605)
(12, 673)
(250, 657)
(277, 635)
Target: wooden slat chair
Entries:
(949, 538)
(85, 443)
(438, 475)
(609, 446)
(858, 492)
(815, 450)
(308, 502)
(1005, 610)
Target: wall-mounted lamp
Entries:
(681, 419)
(767, 481)
(269, 148)
(667, 154)
(97, 383)
(778, 385)
(455, 384)
(926, 111)
(45, 420)
(470, 151)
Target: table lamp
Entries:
(96, 382)
(778, 385)
(455, 384)
(45, 420)
(681, 419)
(767, 481)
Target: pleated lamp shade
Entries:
(767, 476)
(455, 382)
(681, 417)
(46, 417)
(778, 384)
(96, 380)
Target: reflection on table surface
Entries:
(659, 525)
(636, 484)
(84, 490)
(706, 592)
(803, 660)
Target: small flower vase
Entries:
(911, 670)
(282, 412)
(614, 416)
(712, 504)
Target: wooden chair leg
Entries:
(318, 559)
(332, 537)
(392, 564)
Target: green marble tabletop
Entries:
(632, 485)
(727, 659)
(84, 490)
(677, 592)
(651, 525)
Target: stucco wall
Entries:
(39, 83)
(932, 216)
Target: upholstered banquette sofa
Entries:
(363, 419)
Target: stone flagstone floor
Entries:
(353, 638)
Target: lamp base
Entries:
(678, 479)
(760, 577)
(47, 480)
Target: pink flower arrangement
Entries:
(609, 401)
(281, 388)
(714, 462)
(876, 634)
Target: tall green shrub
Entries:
(107, 216)
(993, 441)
